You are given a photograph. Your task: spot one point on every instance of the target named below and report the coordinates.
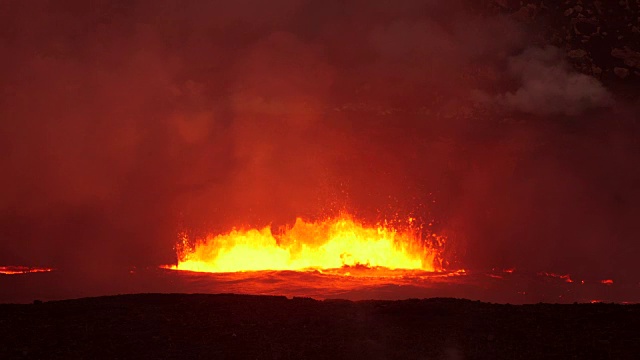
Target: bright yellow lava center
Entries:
(329, 244)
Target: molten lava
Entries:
(329, 244)
(17, 270)
(566, 277)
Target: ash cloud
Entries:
(548, 86)
(124, 122)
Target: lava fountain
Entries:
(314, 245)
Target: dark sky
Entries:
(122, 122)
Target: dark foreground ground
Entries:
(266, 327)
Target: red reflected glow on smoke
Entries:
(230, 124)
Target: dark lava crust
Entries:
(155, 326)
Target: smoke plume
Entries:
(125, 122)
(549, 87)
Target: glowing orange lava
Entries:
(329, 244)
(566, 277)
(15, 270)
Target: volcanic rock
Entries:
(526, 14)
(225, 326)
(588, 30)
(577, 53)
(630, 57)
(621, 72)
(502, 3)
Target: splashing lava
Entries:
(329, 244)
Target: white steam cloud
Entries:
(548, 86)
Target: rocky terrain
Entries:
(601, 38)
(154, 326)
